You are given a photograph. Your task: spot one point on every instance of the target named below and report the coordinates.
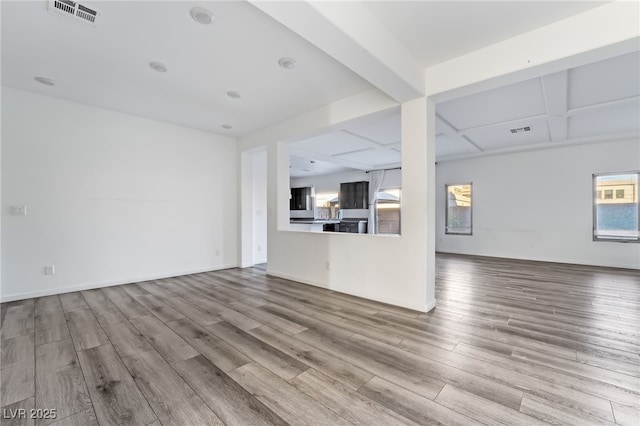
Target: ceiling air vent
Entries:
(521, 129)
(73, 10)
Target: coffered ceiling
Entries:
(364, 144)
(591, 103)
(594, 102)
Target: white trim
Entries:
(389, 301)
(581, 262)
(590, 140)
(430, 305)
(70, 289)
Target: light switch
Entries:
(18, 210)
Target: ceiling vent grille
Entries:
(73, 10)
(521, 129)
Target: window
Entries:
(458, 219)
(327, 205)
(388, 211)
(616, 219)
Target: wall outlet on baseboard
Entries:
(49, 270)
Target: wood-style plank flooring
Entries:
(511, 342)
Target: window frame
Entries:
(446, 209)
(594, 201)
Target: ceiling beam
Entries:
(556, 117)
(311, 155)
(555, 88)
(366, 139)
(600, 33)
(353, 36)
(514, 122)
(446, 126)
(558, 128)
(449, 130)
(545, 145)
(631, 101)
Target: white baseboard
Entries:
(91, 286)
(415, 307)
(572, 261)
(252, 264)
(294, 278)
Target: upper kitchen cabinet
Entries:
(354, 195)
(301, 199)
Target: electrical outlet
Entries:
(217, 252)
(328, 265)
(18, 210)
(259, 248)
(49, 270)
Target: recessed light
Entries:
(202, 16)
(227, 126)
(287, 63)
(158, 66)
(233, 94)
(45, 81)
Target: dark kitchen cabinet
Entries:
(330, 227)
(300, 199)
(354, 195)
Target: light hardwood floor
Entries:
(511, 342)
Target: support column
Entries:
(418, 190)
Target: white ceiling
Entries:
(436, 31)
(585, 104)
(366, 143)
(594, 102)
(108, 65)
(300, 167)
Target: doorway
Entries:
(254, 209)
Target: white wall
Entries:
(259, 199)
(538, 205)
(111, 198)
(392, 269)
(331, 182)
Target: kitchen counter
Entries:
(314, 221)
(311, 225)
